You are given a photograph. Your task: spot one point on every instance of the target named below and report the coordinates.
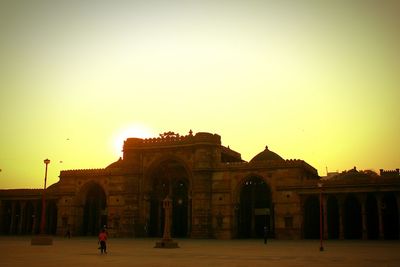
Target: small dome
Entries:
(117, 164)
(266, 155)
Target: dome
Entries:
(266, 155)
(117, 164)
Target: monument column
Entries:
(166, 241)
(167, 205)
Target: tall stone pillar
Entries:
(362, 199)
(166, 241)
(1, 217)
(22, 217)
(167, 205)
(34, 217)
(379, 201)
(341, 219)
(325, 214)
(12, 219)
(398, 210)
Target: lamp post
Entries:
(42, 239)
(321, 247)
(43, 219)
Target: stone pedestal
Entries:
(166, 241)
(42, 240)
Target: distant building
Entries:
(215, 194)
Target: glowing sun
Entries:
(136, 130)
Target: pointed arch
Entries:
(169, 176)
(254, 209)
(92, 202)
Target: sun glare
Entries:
(137, 130)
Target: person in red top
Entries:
(102, 241)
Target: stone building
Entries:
(215, 194)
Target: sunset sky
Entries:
(312, 80)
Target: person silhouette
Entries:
(103, 241)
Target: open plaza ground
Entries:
(83, 251)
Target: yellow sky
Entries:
(318, 82)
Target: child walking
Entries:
(102, 241)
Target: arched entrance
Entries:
(169, 178)
(311, 218)
(94, 210)
(254, 209)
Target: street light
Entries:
(321, 247)
(42, 239)
(43, 220)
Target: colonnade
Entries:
(353, 216)
(22, 217)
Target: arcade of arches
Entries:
(22, 217)
(352, 216)
(214, 192)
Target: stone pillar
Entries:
(35, 216)
(12, 218)
(166, 241)
(362, 199)
(379, 202)
(341, 220)
(1, 217)
(325, 214)
(167, 205)
(253, 217)
(398, 210)
(22, 217)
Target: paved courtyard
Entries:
(77, 251)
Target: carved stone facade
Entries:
(215, 194)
